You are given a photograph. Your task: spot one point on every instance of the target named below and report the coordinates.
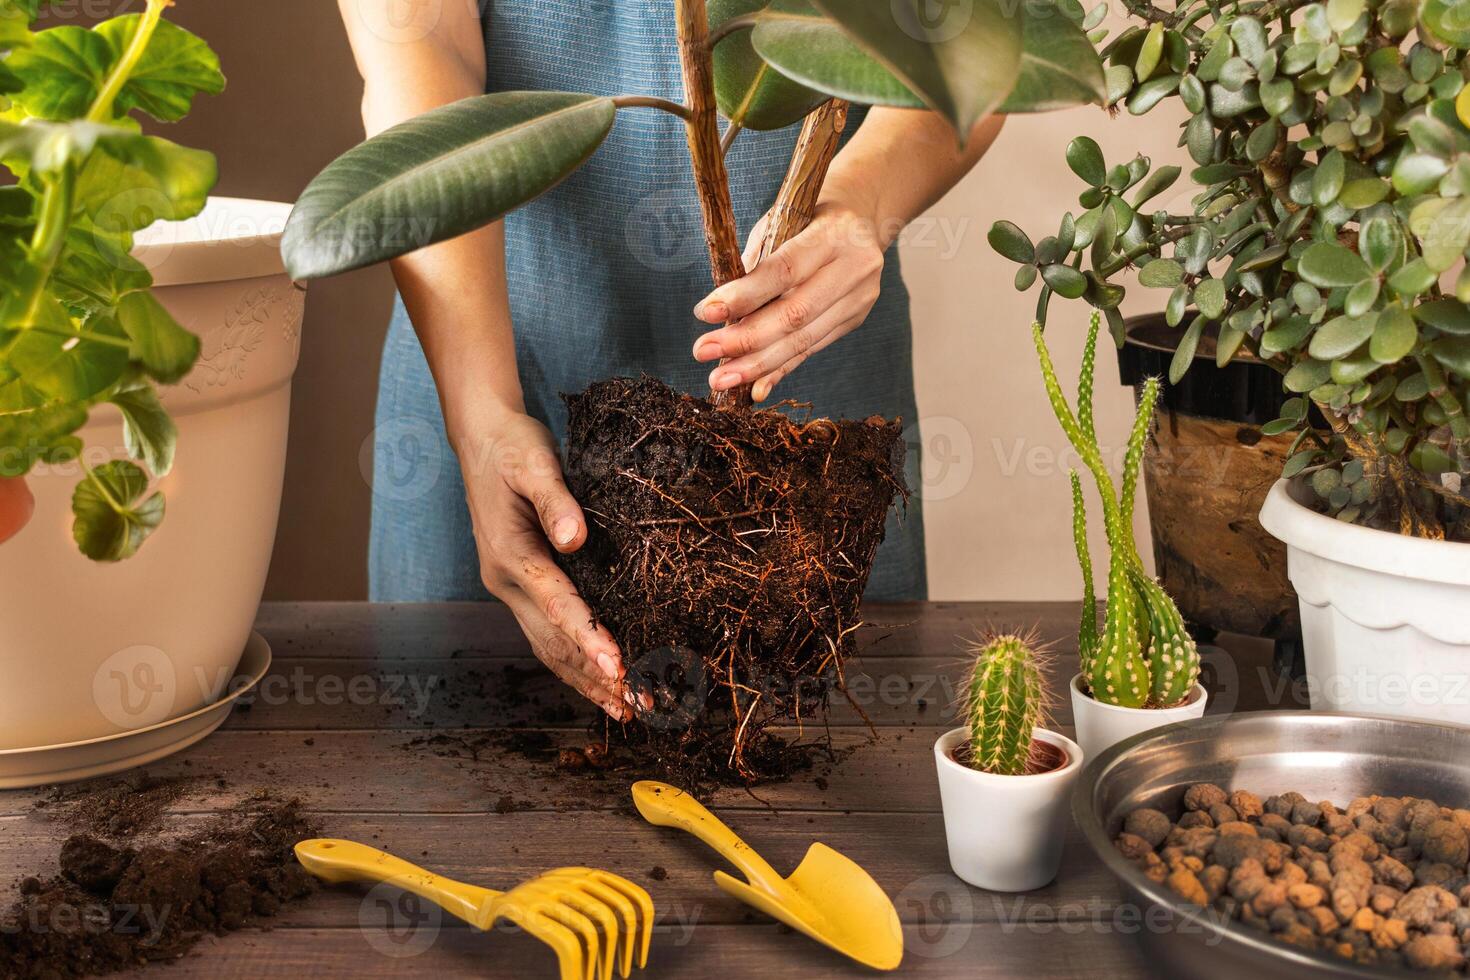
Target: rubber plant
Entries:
(1005, 704)
(739, 540)
(79, 329)
(1326, 231)
(1143, 657)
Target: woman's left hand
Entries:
(807, 294)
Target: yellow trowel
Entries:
(828, 897)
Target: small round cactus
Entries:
(1005, 704)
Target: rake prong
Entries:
(639, 898)
(614, 899)
(550, 904)
(568, 949)
(569, 892)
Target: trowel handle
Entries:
(337, 861)
(669, 806)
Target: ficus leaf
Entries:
(749, 92)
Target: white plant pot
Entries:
(1385, 617)
(1005, 833)
(1101, 726)
(90, 650)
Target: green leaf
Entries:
(1446, 315)
(1380, 242)
(1413, 279)
(66, 67)
(111, 523)
(439, 175)
(1085, 158)
(134, 180)
(1059, 67)
(1445, 19)
(1307, 374)
(1064, 280)
(1209, 296)
(166, 350)
(176, 66)
(1416, 173)
(1431, 459)
(1149, 53)
(1362, 193)
(1010, 241)
(1394, 335)
(1327, 178)
(1329, 265)
(148, 432)
(962, 64)
(1341, 336)
(1184, 353)
(1453, 353)
(749, 92)
(1155, 184)
(1161, 274)
(1361, 297)
(67, 368)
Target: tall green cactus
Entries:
(1005, 704)
(1144, 656)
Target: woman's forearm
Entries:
(455, 291)
(900, 162)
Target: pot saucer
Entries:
(70, 761)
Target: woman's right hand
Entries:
(16, 506)
(521, 507)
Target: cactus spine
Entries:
(1005, 704)
(1144, 656)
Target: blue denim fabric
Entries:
(604, 272)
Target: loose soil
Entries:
(1385, 880)
(728, 552)
(128, 894)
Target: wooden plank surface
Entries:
(392, 724)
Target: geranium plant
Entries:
(78, 326)
(1326, 233)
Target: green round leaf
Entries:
(1010, 241)
(1209, 296)
(1085, 158)
(1341, 336)
(1161, 274)
(1394, 335)
(110, 521)
(1330, 265)
(1446, 315)
(1064, 280)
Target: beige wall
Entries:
(997, 496)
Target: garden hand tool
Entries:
(564, 908)
(828, 897)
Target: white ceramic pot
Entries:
(1385, 617)
(90, 650)
(1101, 726)
(1005, 833)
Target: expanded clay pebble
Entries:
(1383, 880)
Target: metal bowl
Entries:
(1322, 755)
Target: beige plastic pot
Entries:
(89, 650)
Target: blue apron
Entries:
(604, 272)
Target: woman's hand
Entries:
(16, 506)
(809, 293)
(519, 502)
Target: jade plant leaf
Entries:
(749, 92)
(1329, 265)
(110, 521)
(961, 63)
(1059, 66)
(439, 175)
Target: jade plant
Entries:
(1005, 704)
(1143, 656)
(1325, 233)
(78, 326)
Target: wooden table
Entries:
(372, 714)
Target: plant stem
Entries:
(796, 201)
(744, 22)
(101, 110)
(1459, 423)
(651, 102)
(703, 134)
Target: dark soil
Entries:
(1384, 880)
(126, 895)
(728, 553)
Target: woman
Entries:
(597, 278)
